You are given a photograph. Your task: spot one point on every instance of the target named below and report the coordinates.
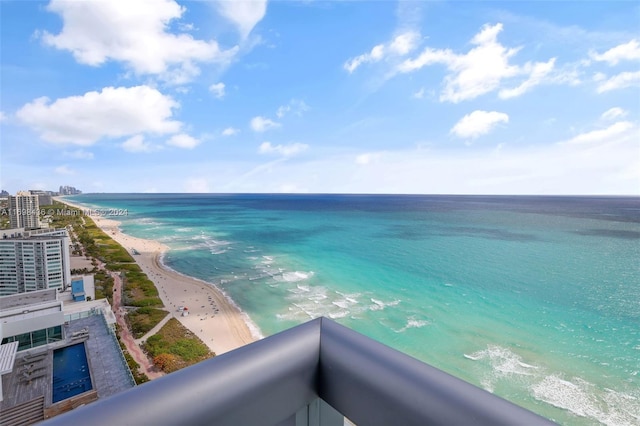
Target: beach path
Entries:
(155, 329)
(146, 366)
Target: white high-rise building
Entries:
(24, 211)
(33, 260)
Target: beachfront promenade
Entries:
(133, 346)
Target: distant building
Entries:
(69, 190)
(44, 197)
(24, 211)
(34, 260)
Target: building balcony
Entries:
(318, 373)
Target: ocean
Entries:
(536, 299)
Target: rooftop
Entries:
(31, 377)
(28, 298)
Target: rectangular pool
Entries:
(71, 375)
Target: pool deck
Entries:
(32, 375)
(108, 374)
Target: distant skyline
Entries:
(447, 97)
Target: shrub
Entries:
(167, 362)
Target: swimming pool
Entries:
(71, 375)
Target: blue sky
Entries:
(351, 97)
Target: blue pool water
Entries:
(70, 372)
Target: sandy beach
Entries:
(212, 317)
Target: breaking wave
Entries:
(573, 394)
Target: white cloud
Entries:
(624, 52)
(428, 56)
(291, 188)
(294, 106)
(135, 33)
(419, 94)
(404, 43)
(186, 28)
(478, 123)
(538, 72)
(377, 53)
(3, 116)
(368, 158)
(599, 76)
(197, 185)
(137, 144)
(64, 170)
(79, 154)
(183, 140)
(218, 90)
(480, 70)
(244, 14)
(284, 150)
(113, 112)
(262, 124)
(609, 168)
(620, 81)
(230, 131)
(613, 113)
(399, 46)
(615, 131)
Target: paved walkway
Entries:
(155, 329)
(146, 366)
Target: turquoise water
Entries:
(536, 299)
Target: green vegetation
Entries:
(175, 347)
(104, 285)
(138, 377)
(144, 319)
(99, 245)
(62, 215)
(138, 289)
(134, 367)
(4, 218)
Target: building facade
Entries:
(32, 320)
(69, 190)
(24, 211)
(45, 198)
(34, 260)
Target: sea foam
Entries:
(576, 395)
(584, 399)
(292, 277)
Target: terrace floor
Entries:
(31, 377)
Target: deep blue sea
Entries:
(536, 299)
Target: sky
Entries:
(438, 97)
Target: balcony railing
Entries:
(314, 374)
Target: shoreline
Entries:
(213, 316)
(253, 327)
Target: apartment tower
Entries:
(24, 210)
